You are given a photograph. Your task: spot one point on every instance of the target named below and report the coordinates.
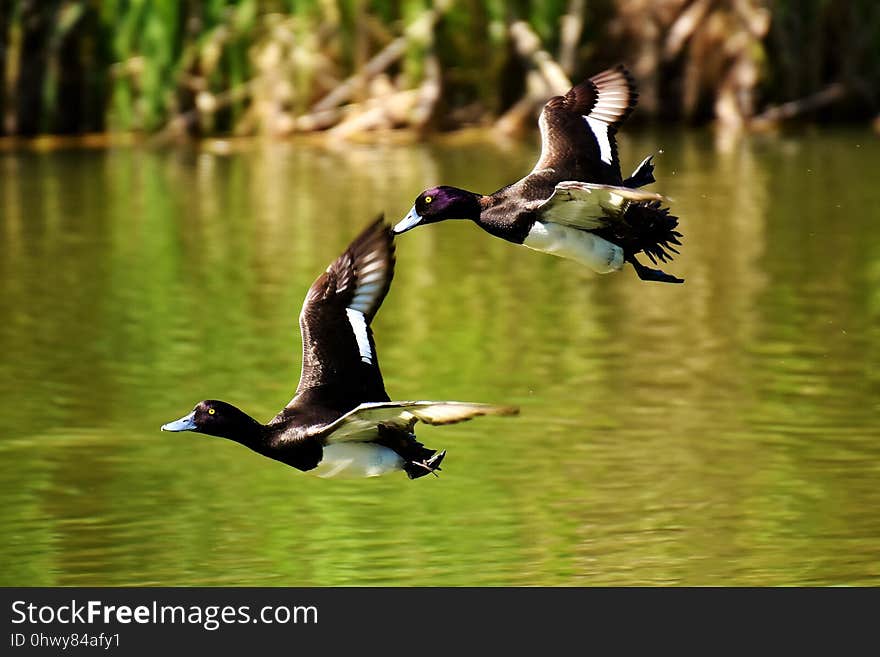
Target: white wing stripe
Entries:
(600, 130)
(359, 326)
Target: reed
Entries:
(265, 66)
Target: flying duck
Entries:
(341, 421)
(574, 203)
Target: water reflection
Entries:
(723, 431)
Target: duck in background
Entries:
(341, 421)
(574, 203)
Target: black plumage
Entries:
(341, 398)
(576, 185)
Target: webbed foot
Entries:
(643, 175)
(416, 469)
(648, 274)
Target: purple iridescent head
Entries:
(440, 203)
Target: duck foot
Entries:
(643, 175)
(416, 469)
(648, 274)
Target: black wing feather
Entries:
(336, 373)
(570, 147)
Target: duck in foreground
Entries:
(574, 203)
(341, 421)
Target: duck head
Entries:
(438, 204)
(217, 418)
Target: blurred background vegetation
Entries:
(277, 67)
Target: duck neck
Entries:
(473, 206)
(242, 428)
(496, 219)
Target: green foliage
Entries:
(77, 65)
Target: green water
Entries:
(720, 432)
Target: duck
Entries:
(341, 421)
(574, 203)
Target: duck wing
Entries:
(589, 206)
(578, 129)
(339, 363)
(360, 424)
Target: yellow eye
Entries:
(211, 411)
(428, 199)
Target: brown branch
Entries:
(429, 93)
(420, 29)
(570, 29)
(528, 47)
(545, 79)
(342, 93)
(684, 26)
(830, 94)
(180, 124)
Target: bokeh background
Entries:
(280, 67)
(174, 176)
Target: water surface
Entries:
(720, 432)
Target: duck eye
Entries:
(428, 199)
(211, 411)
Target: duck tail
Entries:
(654, 231)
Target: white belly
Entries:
(598, 254)
(349, 460)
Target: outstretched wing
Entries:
(360, 424)
(339, 355)
(578, 129)
(588, 206)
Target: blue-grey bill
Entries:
(186, 423)
(409, 221)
